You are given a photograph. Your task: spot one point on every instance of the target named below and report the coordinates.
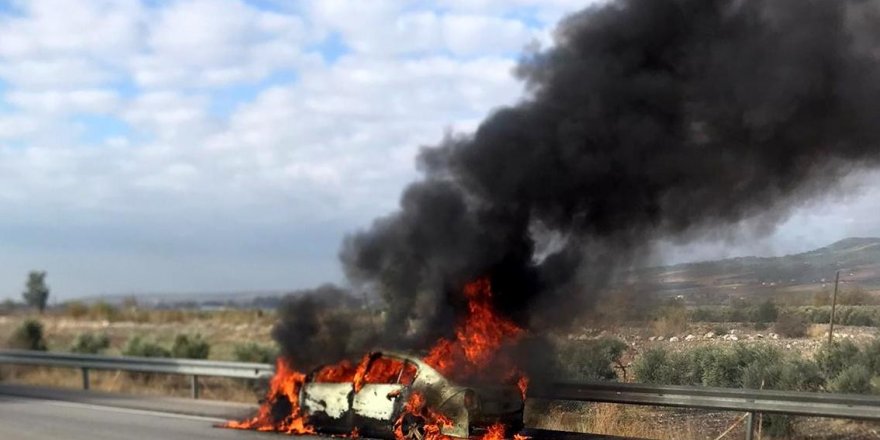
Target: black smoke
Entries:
(322, 325)
(646, 120)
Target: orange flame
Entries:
(431, 421)
(478, 339)
(338, 373)
(495, 432)
(361, 373)
(474, 353)
(523, 385)
(285, 384)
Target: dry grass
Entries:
(673, 321)
(224, 330)
(816, 331)
(629, 421)
(101, 311)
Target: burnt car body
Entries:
(337, 407)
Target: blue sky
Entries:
(224, 145)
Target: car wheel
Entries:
(413, 428)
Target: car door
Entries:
(377, 404)
(327, 403)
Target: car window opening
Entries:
(384, 370)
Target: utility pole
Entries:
(833, 308)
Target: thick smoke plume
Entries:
(322, 325)
(647, 120)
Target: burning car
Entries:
(390, 394)
(400, 396)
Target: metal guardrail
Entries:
(798, 403)
(849, 406)
(191, 367)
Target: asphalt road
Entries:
(23, 418)
(33, 413)
(30, 413)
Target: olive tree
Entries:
(36, 293)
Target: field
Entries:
(224, 331)
(670, 328)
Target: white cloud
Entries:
(53, 27)
(174, 177)
(476, 34)
(348, 134)
(65, 101)
(53, 73)
(16, 125)
(387, 28)
(216, 42)
(169, 115)
(198, 143)
(543, 10)
(340, 139)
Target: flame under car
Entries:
(377, 405)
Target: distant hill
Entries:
(857, 258)
(263, 299)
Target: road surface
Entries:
(33, 413)
(23, 418)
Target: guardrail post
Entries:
(85, 376)
(195, 386)
(750, 426)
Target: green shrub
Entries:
(711, 366)
(815, 315)
(253, 352)
(845, 315)
(784, 374)
(859, 316)
(871, 357)
(137, 346)
(760, 359)
(761, 376)
(856, 315)
(853, 379)
(758, 353)
(836, 357)
(654, 367)
(28, 336)
(759, 367)
(90, 343)
(800, 375)
(839, 367)
(592, 360)
(791, 325)
(766, 312)
(190, 347)
(705, 314)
